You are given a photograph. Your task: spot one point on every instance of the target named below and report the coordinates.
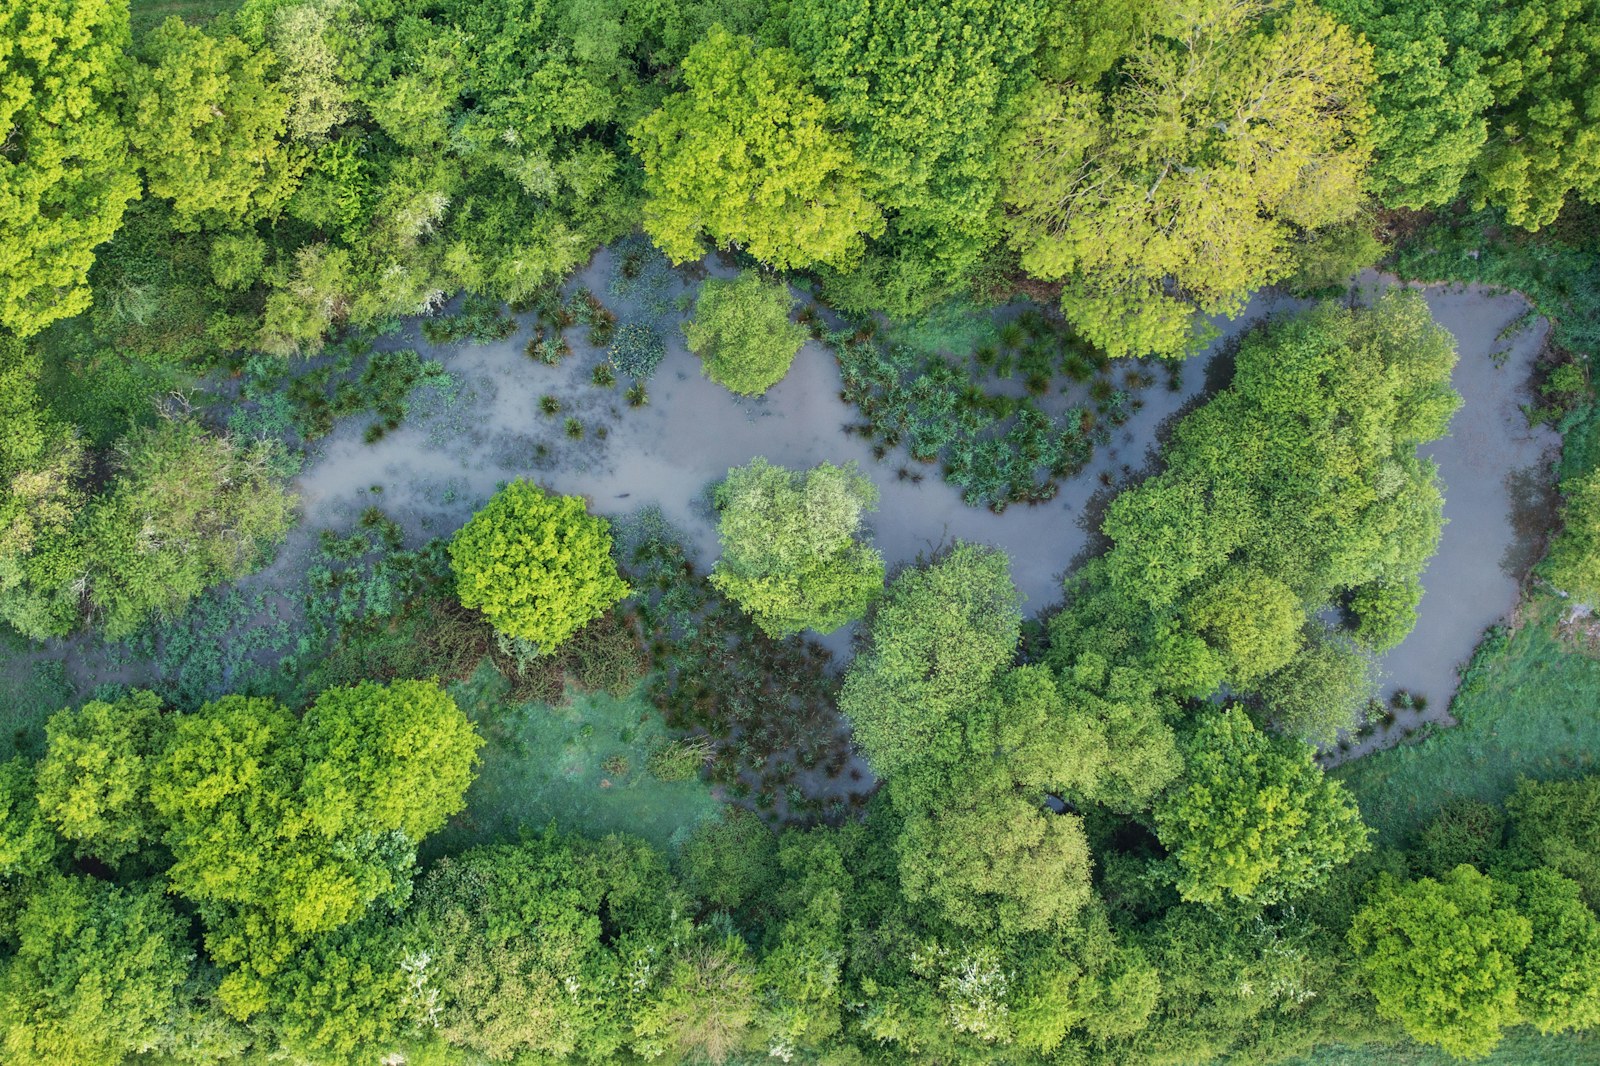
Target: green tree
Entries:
(1573, 562)
(94, 780)
(938, 639)
(791, 556)
(1252, 619)
(1440, 958)
(1303, 472)
(186, 511)
(27, 844)
(282, 830)
(1544, 131)
(1325, 688)
(742, 333)
(97, 975)
(206, 123)
(1557, 824)
(64, 172)
(993, 860)
(1486, 98)
(729, 861)
(1254, 819)
(802, 964)
(1431, 94)
(704, 1008)
(746, 155)
(925, 90)
(539, 567)
(347, 995)
(1560, 989)
(1228, 132)
(516, 938)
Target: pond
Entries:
(435, 470)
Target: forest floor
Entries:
(146, 15)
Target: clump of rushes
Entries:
(574, 429)
(637, 397)
(548, 350)
(550, 405)
(604, 376)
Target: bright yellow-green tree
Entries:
(747, 155)
(65, 176)
(1440, 958)
(94, 780)
(284, 829)
(538, 566)
(1180, 189)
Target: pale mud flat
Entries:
(443, 464)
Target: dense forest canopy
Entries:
(1101, 834)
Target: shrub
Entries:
(679, 760)
(1573, 564)
(539, 567)
(1464, 831)
(742, 332)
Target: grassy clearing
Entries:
(1526, 707)
(580, 764)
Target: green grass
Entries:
(955, 327)
(34, 689)
(564, 764)
(1526, 707)
(1523, 1047)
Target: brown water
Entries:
(436, 470)
(1498, 499)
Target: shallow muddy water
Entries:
(1498, 499)
(432, 473)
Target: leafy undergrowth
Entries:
(766, 707)
(1525, 707)
(300, 404)
(587, 763)
(969, 395)
(34, 689)
(1553, 270)
(1522, 1047)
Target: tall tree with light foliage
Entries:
(1233, 127)
(791, 550)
